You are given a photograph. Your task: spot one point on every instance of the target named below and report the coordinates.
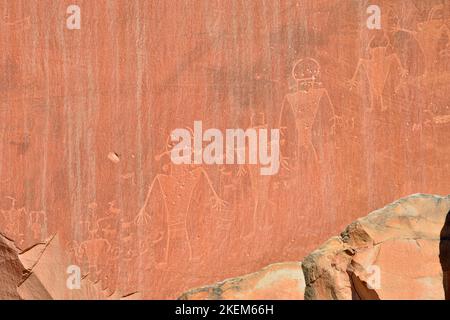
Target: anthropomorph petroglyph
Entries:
(376, 68)
(11, 220)
(175, 188)
(301, 108)
(260, 185)
(22, 225)
(433, 36)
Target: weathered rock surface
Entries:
(277, 281)
(398, 252)
(401, 251)
(11, 270)
(85, 116)
(40, 272)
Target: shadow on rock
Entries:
(444, 255)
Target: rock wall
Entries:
(398, 252)
(401, 251)
(85, 118)
(41, 273)
(283, 281)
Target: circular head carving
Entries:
(307, 69)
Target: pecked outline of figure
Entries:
(403, 37)
(12, 222)
(36, 223)
(426, 38)
(304, 105)
(17, 25)
(429, 35)
(377, 68)
(260, 184)
(308, 124)
(176, 188)
(97, 250)
(108, 223)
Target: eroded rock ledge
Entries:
(401, 251)
(40, 272)
(398, 252)
(277, 281)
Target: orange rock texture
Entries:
(86, 116)
(283, 281)
(40, 273)
(398, 252)
(401, 251)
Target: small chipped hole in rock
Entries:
(114, 157)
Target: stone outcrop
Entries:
(40, 273)
(401, 251)
(277, 281)
(86, 118)
(12, 271)
(398, 252)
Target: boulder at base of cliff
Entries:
(40, 273)
(398, 252)
(277, 281)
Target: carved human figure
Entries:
(424, 46)
(307, 125)
(301, 109)
(259, 184)
(176, 189)
(95, 252)
(36, 224)
(12, 222)
(19, 23)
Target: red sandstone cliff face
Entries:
(85, 116)
(401, 251)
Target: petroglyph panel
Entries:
(86, 114)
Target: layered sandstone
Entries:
(40, 273)
(278, 281)
(401, 251)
